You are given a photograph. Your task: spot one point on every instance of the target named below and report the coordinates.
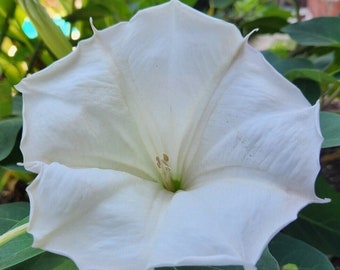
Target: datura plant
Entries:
(166, 141)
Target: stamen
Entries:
(158, 162)
(167, 181)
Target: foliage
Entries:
(313, 65)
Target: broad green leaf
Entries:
(310, 89)
(312, 74)
(324, 61)
(11, 214)
(330, 127)
(267, 261)
(288, 250)
(19, 249)
(319, 224)
(9, 129)
(285, 65)
(324, 31)
(290, 64)
(17, 105)
(15, 156)
(46, 261)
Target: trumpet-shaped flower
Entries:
(165, 141)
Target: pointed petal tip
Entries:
(94, 29)
(246, 38)
(324, 200)
(33, 166)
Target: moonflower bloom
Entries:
(166, 141)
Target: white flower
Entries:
(166, 141)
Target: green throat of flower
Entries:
(168, 182)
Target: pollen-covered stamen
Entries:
(167, 181)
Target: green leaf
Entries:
(193, 2)
(67, 5)
(324, 31)
(11, 214)
(288, 250)
(265, 25)
(19, 249)
(310, 89)
(92, 11)
(274, 11)
(17, 105)
(6, 5)
(285, 65)
(15, 156)
(330, 127)
(312, 74)
(46, 261)
(5, 98)
(11, 71)
(7, 8)
(49, 32)
(9, 129)
(223, 3)
(267, 261)
(319, 224)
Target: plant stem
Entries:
(15, 232)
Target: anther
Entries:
(158, 162)
(166, 178)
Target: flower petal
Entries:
(224, 222)
(99, 218)
(130, 93)
(259, 121)
(102, 218)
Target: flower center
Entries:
(168, 182)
